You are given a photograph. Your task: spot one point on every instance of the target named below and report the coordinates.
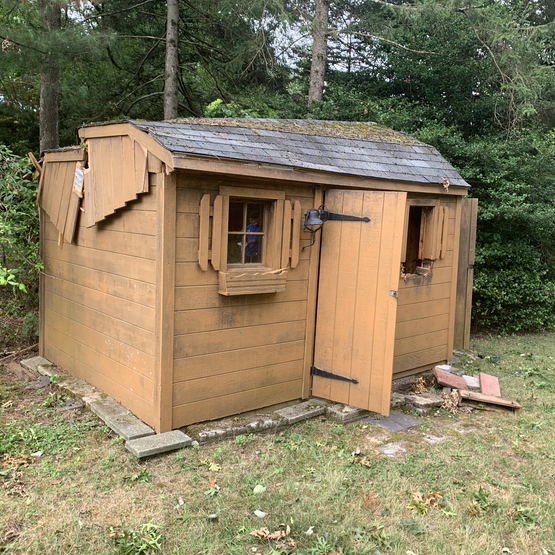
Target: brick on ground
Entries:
(489, 385)
(449, 380)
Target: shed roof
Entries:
(352, 148)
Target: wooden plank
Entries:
(141, 222)
(470, 270)
(154, 164)
(50, 172)
(133, 313)
(141, 173)
(56, 192)
(248, 192)
(76, 154)
(295, 239)
(88, 188)
(132, 290)
(41, 183)
(235, 360)
(453, 293)
(130, 244)
(410, 313)
(140, 407)
(431, 292)
(404, 345)
(137, 383)
(238, 338)
(217, 233)
(42, 224)
(106, 202)
(286, 234)
(127, 266)
(72, 216)
(236, 403)
(411, 361)
(136, 361)
(165, 288)
(204, 231)
(423, 324)
(205, 388)
(491, 400)
(118, 330)
(303, 177)
(116, 159)
(187, 225)
(192, 321)
(128, 162)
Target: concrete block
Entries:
(473, 382)
(129, 427)
(449, 380)
(35, 362)
(345, 413)
(397, 401)
(108, 408)
(444, 367)
(158, 443)
(424, 400)
(302, 411)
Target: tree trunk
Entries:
(319, 51)
(51, 15)
(170, 76)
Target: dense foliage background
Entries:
(476, 79)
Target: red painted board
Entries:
(449, 380)
(489, 385)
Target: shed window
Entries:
(246, 232)
(419, 219)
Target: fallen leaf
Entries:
(55, 482)
(212, 482)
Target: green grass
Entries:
(489, 486)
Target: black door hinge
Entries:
(315, 371)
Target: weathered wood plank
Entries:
(192, 321)
(239, 338)
(236, 360)
(236, 403)
(217, 219)
(118, 330)
(296, 234)
(286, 234)
(106, 201)
(422, 294)
(230, 383)
(128, 164)
(141, 222)
(113, 263)
(405, 345)
(417, 359)
(183, 247)
(118, 192)
(421, 324)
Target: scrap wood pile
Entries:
(480, 391)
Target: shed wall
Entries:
(99, 303)
(237, 353)
(425, 312)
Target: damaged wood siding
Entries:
(100, 303)
(424, 329)
(233, 353)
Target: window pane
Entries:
(236, 219)
(234, 247)
(255, 249)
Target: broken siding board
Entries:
(202, 389)
(128, 163)
(141, 408)
(141, 170)
(193, 321)
(116, 156)
(118, 330)
(72, 217)
(236, 403)
(70, 155)
(55, 193)
(240, 338)
(139, 222)
(64, 192)
(236, 360)
(106, 202)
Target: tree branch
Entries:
(118, 12)
(346, 31)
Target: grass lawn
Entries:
(487, 488)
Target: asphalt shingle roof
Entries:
(353, 148)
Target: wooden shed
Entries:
(180, 279)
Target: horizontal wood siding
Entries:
(235, 353)
(99, 303)
(423, 312)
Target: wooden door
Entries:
(357, 298)
(465, 275)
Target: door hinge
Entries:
(394, 294)
(315, 371)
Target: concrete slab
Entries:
(21, 372)
(393, 449)
(228, 429)
(345, 413)
(424, 400)
(158, 443)
(395, 422)
(302, 411)
(433, 440)
(129, 427)
(473, 382)
(108, 408)
(35, 362)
